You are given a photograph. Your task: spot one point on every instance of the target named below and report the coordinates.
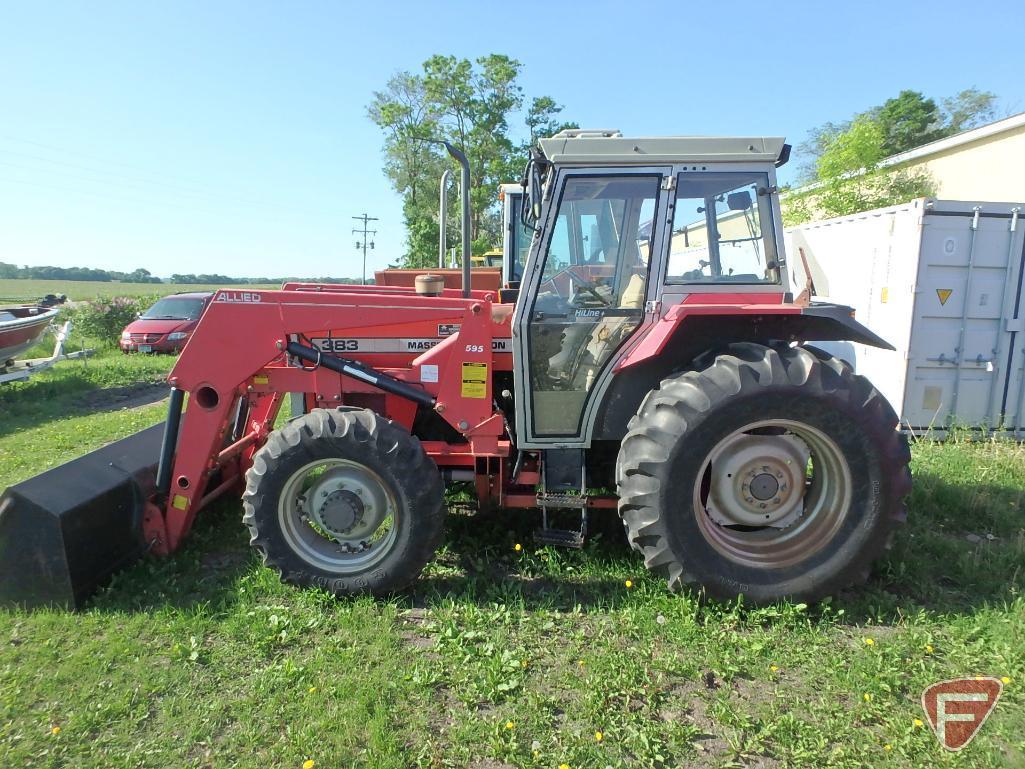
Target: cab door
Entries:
(585, 291)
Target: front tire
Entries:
(347, 501)
(770, 472)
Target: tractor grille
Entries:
(146, 338)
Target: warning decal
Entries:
(944, 294)
(475, 380)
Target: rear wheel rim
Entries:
(339, 516)
(761, 504)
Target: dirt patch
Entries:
(128, 397)
(417, 641)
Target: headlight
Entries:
(177, 336)
(126, 334)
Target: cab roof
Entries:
(611, 148)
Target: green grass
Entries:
(15, 290)
(501, 657)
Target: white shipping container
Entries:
(941, 280)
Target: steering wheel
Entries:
(588, 286)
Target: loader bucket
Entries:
(65, 532)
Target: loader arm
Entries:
(238, 366)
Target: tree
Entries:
(813, 147)
(859, 147)
(851, 178)
(470, 105)
(542, 119)
(968, 109)
(908, 120)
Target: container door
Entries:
(969, 283)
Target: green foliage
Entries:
(851, 179)
(45, 272)
(102, 320)
(907, 121)
(795, 207)
(470, 105)
(968, 109)
(857, 148)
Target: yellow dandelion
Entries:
(867, 697)
(517, 547)
(887, 747)
(563, 766)
(773, 668)
(599, 736)
(580, 663)
(928, 649)
(629, 584)
(510, 725)
(55, 730)
(870, 642)
(309, 763)
(312, 689)
(1005, 679)
(978, 678)
(919, 723)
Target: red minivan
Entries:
(167, 325)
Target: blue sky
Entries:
(231, 137)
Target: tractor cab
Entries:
(623, 230)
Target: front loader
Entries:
(650, 358)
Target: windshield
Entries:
(175, 309)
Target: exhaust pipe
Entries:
(65, 532)
(458, 155)
(442, 216)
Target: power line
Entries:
(364, 232)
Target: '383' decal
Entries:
(339, 345)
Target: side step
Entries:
(546, 535)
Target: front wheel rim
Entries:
(772, 493)
(339, 516)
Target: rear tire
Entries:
(712, 452)
(347, 501)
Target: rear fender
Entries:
(787, 322)
(683, 335)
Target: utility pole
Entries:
(364, 242)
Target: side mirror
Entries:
(739, 201)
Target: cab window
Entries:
(722, 229)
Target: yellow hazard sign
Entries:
(944, 294)
(475, 380)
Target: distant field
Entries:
(28, 290)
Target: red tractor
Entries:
(650, 360)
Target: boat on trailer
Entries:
(21, 328)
